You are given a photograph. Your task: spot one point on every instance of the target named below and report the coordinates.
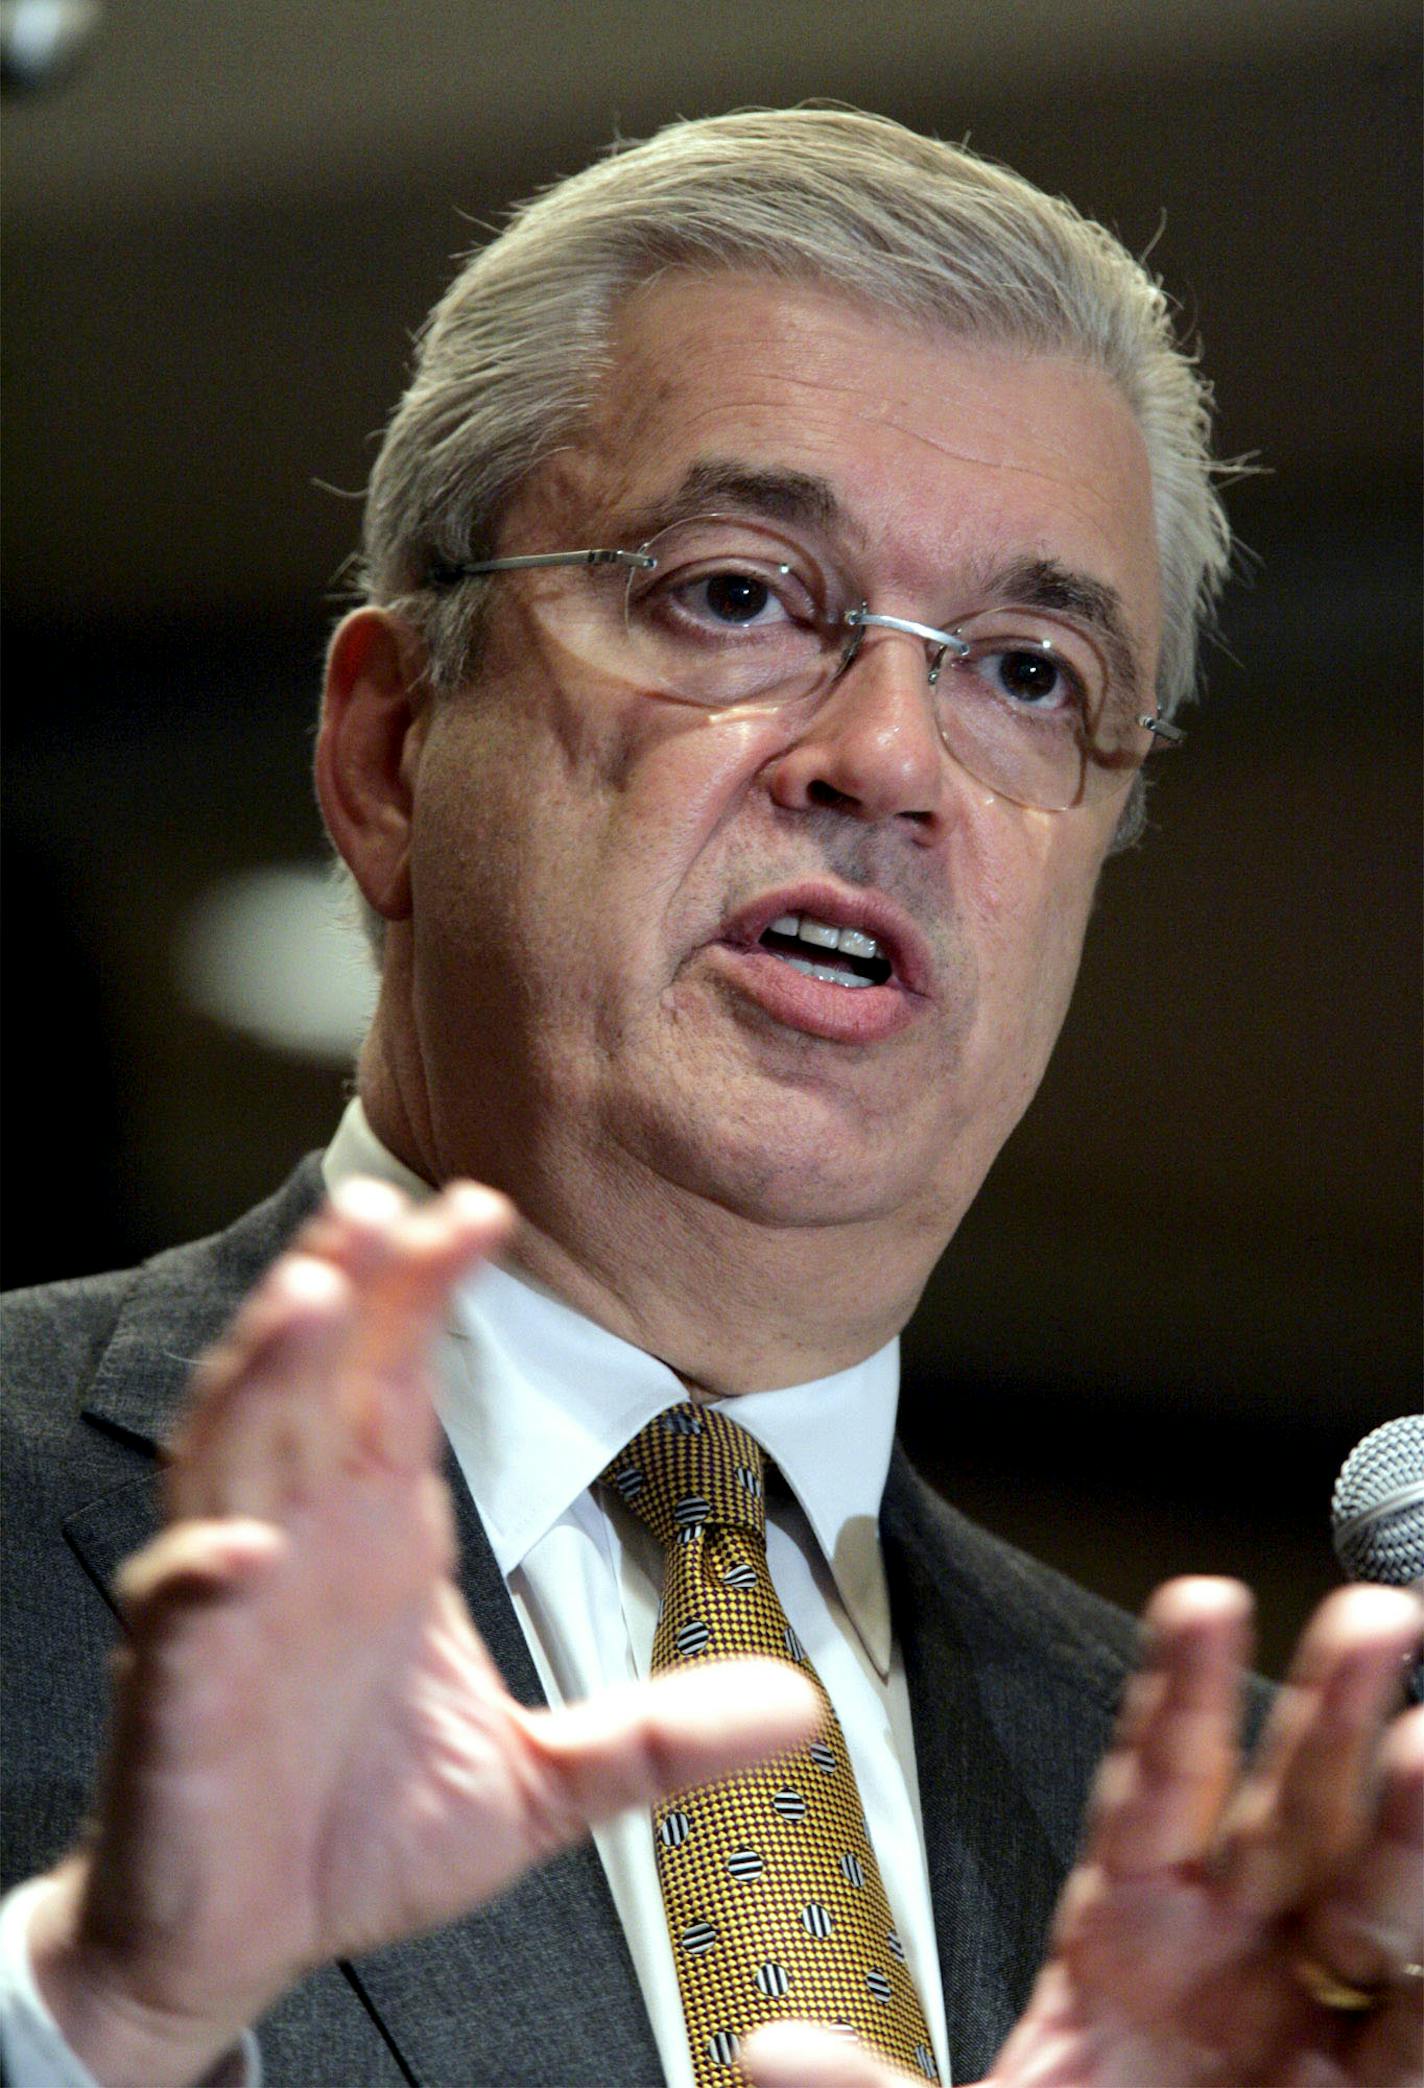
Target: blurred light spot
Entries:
(42, 40)
(274, 955)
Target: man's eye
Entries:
(1029, 676)
(734, 598)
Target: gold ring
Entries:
(1333, 1992)
(1342, 1995)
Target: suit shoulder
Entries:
(54, 1337)
(1012, 1608)
(1004, 1598)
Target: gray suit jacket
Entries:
(1013, 1677)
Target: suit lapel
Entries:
(539, 1987)
(1012, 1678)
(175, 1305)
(179, 1302)
(1007, 1734)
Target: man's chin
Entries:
(770, 1175)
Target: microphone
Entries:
(1378, 1513)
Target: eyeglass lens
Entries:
(732, 613)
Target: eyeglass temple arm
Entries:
(643, 560)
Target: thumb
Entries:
(807, 2055)
(632, 1745)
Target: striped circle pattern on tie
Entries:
(773, 1894)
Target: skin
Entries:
(1174, 1954)
(556, 855)
(312, 1753)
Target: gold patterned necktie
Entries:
(771, 1888)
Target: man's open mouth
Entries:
(836, 956)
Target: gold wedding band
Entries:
(1342, 1995)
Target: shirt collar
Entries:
(538, 1399)
(356, 1150)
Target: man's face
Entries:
(593, 867)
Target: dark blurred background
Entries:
(1193, 1279)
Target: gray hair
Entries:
(512, 357)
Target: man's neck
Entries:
(731, 1303)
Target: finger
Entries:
(400, 1311)
(1372, 1922)
(354, 1227)
(193, 1563)
(260, 1433)
(180, 1597)
(1370, 1932)
(632, 1745)
(805, 2055)
(325, 1364)
(351, 1232)
(1305, 1803)
(1160, 1790)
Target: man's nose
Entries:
(872, 749)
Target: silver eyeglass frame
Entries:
(861, 619)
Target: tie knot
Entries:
(691, 1467)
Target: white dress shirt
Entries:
(536, 1400)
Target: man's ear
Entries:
(373, 715)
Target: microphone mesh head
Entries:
(1378, 1505)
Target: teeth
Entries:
(854, 941)
(825, 973)
(820, 932)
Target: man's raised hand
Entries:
(1214, 1917)
(312, 1753)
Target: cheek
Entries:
(692, 776)
(563, 839)
(1031, 902)
(659, 860)
(486, 865)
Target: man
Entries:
(783, 561)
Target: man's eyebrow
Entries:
(801, 500)
(1044, 583)
(797, 498)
